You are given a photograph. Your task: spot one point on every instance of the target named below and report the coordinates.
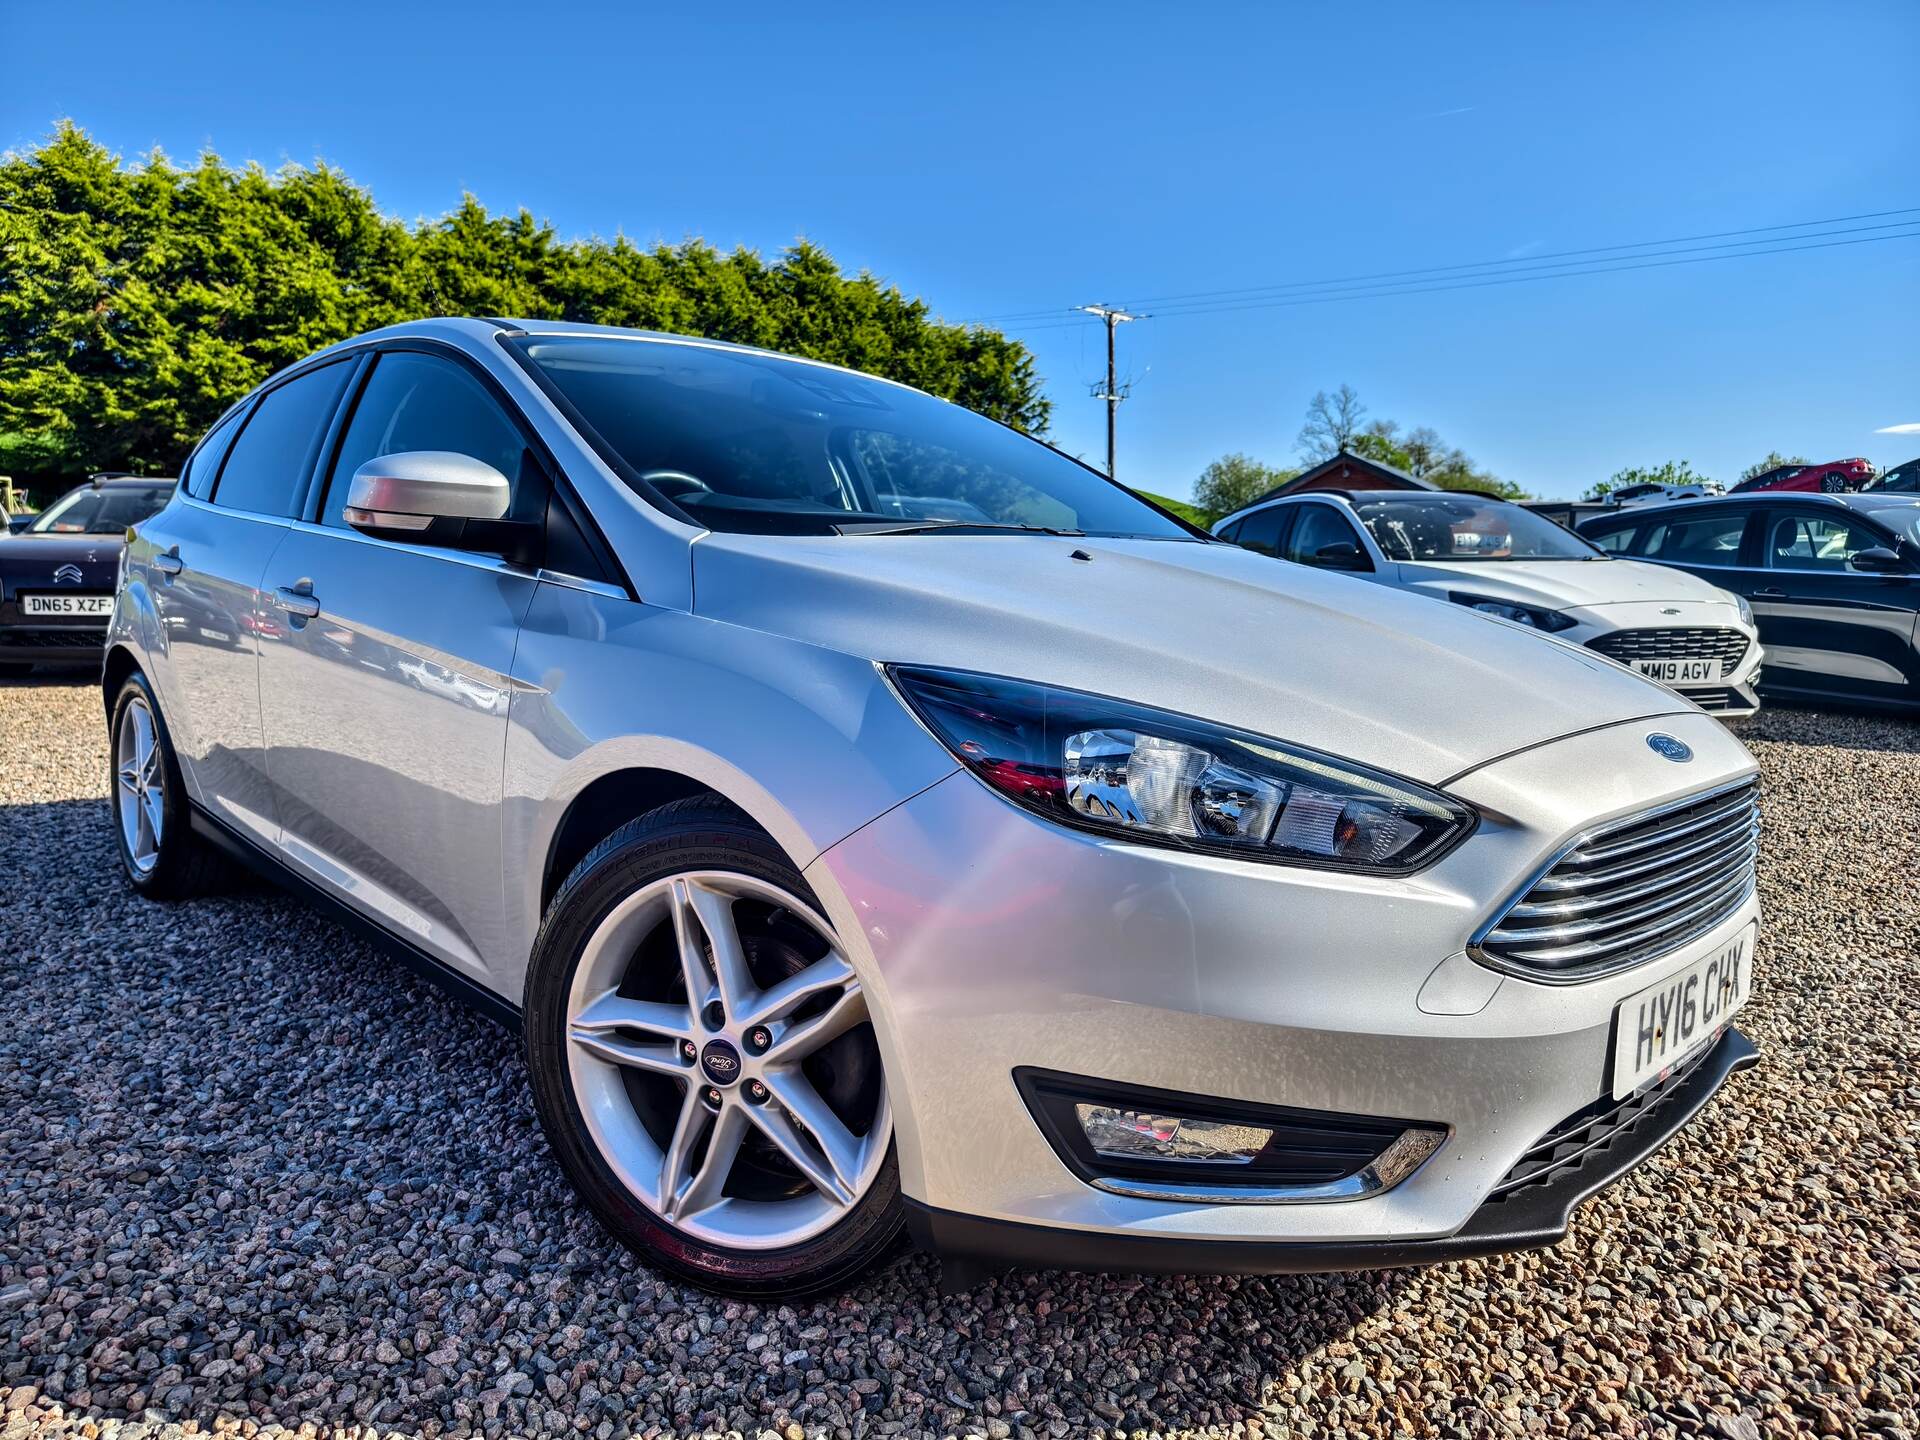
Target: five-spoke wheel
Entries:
(704, 1047)
(139, 792)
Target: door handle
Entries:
(168, 562)
(297, 602)
(1769, 594)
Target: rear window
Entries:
(1614, 539)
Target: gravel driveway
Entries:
(254, 1174)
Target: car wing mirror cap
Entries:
(406, 492)
(1879, 561)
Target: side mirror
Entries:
(1878, 561)
(1344, 555)
(438, 497)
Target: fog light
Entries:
(1140, 1135)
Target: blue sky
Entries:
(1011, 158)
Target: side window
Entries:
(1261, 530)
(1815, 542)
(1231, 533)
(1318, 527)
(421, 402)
(270, 459)
(206, 460)
(1615, 540)
(1711, 539)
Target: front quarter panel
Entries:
(810, 742)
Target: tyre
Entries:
(703, 1061)
(161, 855)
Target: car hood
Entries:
(1214, 631)
(32, 559)
(1562, 584)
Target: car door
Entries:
(385, 691)
(1828, 627)
(209, 549)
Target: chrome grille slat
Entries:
(1556, 909)
(1632, 890)
(1727, 646)
(1714, 907)
(1594, 853)
(1710, 839)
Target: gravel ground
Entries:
(253, 1175)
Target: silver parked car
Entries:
(879, 821)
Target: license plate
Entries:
(100, 605)
(1658, 1028)
(1678, 672)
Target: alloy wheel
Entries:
(140, 786)
(719, 1049)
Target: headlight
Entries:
(1746, 610)
(1166, 779)
(1548, 620)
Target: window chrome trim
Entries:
(1581, 976)
(1411, 1149)
(582, 583)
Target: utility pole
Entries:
(1113, 394)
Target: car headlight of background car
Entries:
(1548, 620)
(1166, 779)
(1746, 611)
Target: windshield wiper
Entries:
(930, 527)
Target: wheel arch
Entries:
(120, 662)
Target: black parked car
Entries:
(1834, 581)
(57, 574)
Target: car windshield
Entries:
(100, 510)
(1466, 527)
(752, 442)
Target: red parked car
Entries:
(1835, 477)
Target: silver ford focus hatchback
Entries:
(879, 823)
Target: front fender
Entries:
(809, 742)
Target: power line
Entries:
(1511, 264)
(1391, 290)
(1522, 260)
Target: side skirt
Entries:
(464, 988)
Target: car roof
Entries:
(1353, 497)
(1852, 500)
(481, 327)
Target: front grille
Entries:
(74, 637)
(1633, 890)
(1590, 1128)
(1720, 698)
(1729, 647)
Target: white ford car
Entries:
(1500, 558)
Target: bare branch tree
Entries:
(1332, 422)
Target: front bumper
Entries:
(37, 642)
(990, 941)
(1528, 1214)
(1731, 695)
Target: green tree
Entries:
(1232, 481)
(137, 301)
(1773, 461)
(1422, 454)
(1671, 472)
